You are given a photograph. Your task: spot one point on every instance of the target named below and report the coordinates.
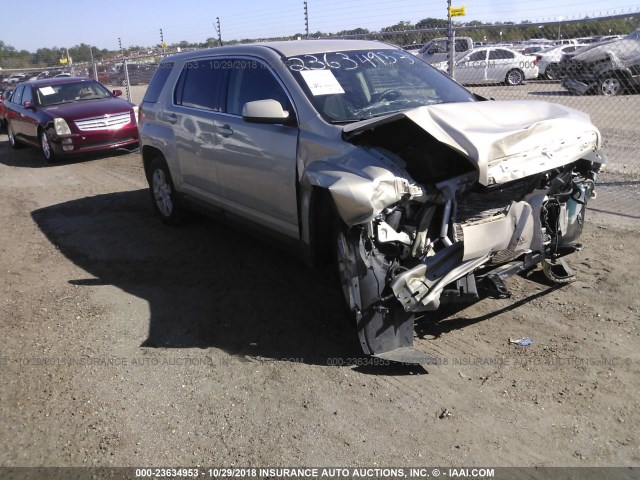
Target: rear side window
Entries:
(202, 84)
(157, 82)
(500, 55)
(17, 95)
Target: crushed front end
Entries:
(460, 222)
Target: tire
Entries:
(380, 330)
(514, 77)
(163, 193)
(15, 144)
(45, 147)
(552, 72)
(610, 86)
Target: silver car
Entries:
(421, 193)
(493, 65)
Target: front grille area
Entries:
(488, 204)
(105, 122)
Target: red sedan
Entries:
(69, 116)
(3, 98)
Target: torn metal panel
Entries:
(361, 190)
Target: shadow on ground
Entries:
(207, 284)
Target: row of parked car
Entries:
(15, 78)
(609, 66)
(138, 74)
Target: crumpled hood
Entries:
(505, 140)
(625, 50)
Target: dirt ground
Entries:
(129, 343)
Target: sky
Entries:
(66, 23)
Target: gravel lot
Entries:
(128, 343)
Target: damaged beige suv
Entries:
(359, 152)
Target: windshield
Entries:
(356, 85)
(70, 92)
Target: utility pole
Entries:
(95, 68)
(559, 25)
(125, 69)
(218, 30)
(69, 62)
(306, 19)
(162, 43)
(450, 41)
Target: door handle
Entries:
(171, 118)
(225, 130)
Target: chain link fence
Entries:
(590, 64)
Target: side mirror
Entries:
(264, 111)
(27, 104)
(117, 93)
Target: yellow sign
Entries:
(164, 45)
(63, 60)
(457, 12)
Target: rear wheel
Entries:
(514, 77)
(163, 193)
(45, 147)
(552, 72)
(610, 86)
(15, 144)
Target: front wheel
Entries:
(45, 147)
(163, 193)
(514, 77)
(610, 86)
(385, 330)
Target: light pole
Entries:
(559, 25)
(450, 41)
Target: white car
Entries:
(493, 65)
(548, 61)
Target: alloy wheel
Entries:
(162, 193)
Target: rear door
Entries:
(198, 104)
(13, 112)
(499, 63)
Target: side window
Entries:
(249, 81)
(501, 54)
(157, 82)
(27, 96)
(478, 56)
(202, 85)
(461, 45)
(17, 95)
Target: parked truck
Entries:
(437, 50)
